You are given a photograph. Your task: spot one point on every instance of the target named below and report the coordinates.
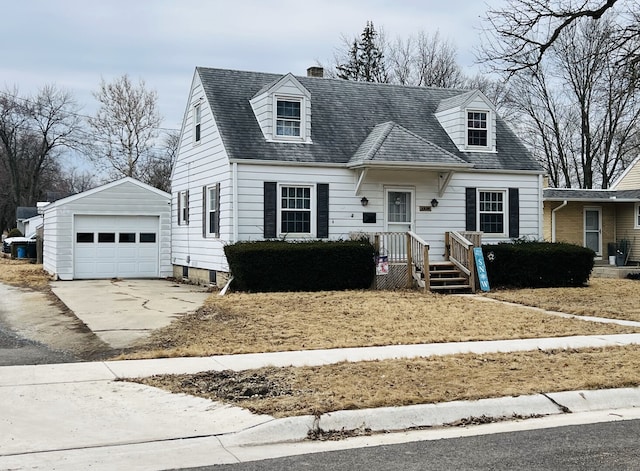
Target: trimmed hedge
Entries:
(301, 266)
(537, 264)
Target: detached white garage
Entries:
(119, 230)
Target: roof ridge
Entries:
(377, 144)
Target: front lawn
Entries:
(268, 322)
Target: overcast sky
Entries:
(75, 43)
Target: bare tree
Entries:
(71, 181)
(497, 91)
(436, 62)
(124, 128)
(581, 106)
(519, 34)
(157, 171)
(33, 131)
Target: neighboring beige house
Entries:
(597, 218)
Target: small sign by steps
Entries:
(481, 269)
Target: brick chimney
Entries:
(315, 71)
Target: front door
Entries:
(593, 230)
(399, 210)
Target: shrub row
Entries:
(537, 264)
(301, 266)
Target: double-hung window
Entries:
(637, 218)
(477, 129)
(183, 208)
(288, 118)
(211, 219)
(295, 210)
(491, 212)
(197, 121)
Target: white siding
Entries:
(453, 122)
(200, 165)
(262, 106)
(345, 209)
(125, 198)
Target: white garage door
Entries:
(116, 246)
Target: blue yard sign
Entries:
(481, 268)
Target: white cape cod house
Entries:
(266, 156)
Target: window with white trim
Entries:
(288, 117)
(492, 212)
(477, 129)
(183, 208)
(637, 218)
(295, 210)
(197, 122)
(212, 210)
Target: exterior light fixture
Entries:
(434, 203)
(364, 201)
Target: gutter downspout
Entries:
(553, 220)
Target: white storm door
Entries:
(593, 229)
(399, 214)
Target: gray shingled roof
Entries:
(343, 115)
(26, 212)
(572, 194)
(390, 142)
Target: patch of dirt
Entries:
(236, 386)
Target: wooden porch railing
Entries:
(459, 250)
(391, 244)
(409, 248)
(417, 261)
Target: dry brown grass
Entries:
(614, 298)
(23, 274)
(267, 322)
(316, 390)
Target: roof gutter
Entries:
(413, 166)
(553, 219)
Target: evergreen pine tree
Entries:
(365, 60)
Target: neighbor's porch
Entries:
(404, 262)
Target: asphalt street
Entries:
(612, 445)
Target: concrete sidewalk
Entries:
(76, 416)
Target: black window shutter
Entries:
(514, 212)
(270, 210)
(179, 208)
(323, 210)
(470, 205)
(186, 216)
(204, 211)
(216, 221)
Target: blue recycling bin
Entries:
(21, 251)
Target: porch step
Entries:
(445, 277)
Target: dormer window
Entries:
(477, 128)
(288, 118)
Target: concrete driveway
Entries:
(121, 312)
